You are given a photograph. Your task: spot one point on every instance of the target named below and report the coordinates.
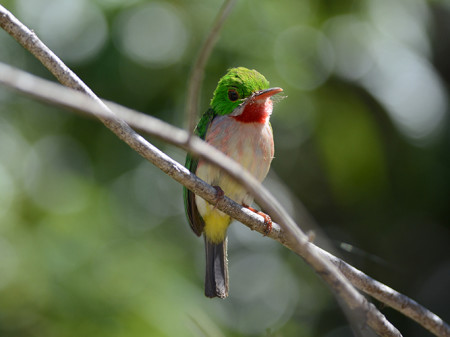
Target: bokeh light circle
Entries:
(303, 57)
(75, 30)
(54, 174)
(152, 34)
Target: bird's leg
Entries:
(219, 195)
(267, 219)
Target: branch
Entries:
(296, 238)
(391, 297)
(196, 78)
(55, 94)
(291, 236)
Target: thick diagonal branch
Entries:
(293, 236)
(58, 95)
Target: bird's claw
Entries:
(267, 222)
(267, 219)
(219, 195)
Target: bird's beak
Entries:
(266, 93)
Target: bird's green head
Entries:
(233, 88)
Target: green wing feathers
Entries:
(195, 220)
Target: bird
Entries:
(236, 123)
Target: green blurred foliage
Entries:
(93, 239)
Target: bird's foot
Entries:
(267, 219)
(219, 195)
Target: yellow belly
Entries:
(216, 222)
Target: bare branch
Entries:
(56, 94)
(392, 298)
(291, 235)
(198, 70)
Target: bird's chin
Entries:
(255, 111)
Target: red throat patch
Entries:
(257, 111)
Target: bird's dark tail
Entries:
(216, 278)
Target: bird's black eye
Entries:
(233, 95)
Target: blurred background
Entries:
(93, 239)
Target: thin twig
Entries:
(294, 236)
(196, 78)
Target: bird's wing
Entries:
(192, 214)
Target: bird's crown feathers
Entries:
(234, 87)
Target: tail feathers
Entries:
(216, 278)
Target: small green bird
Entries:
(237, 123)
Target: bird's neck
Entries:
(257, 111)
